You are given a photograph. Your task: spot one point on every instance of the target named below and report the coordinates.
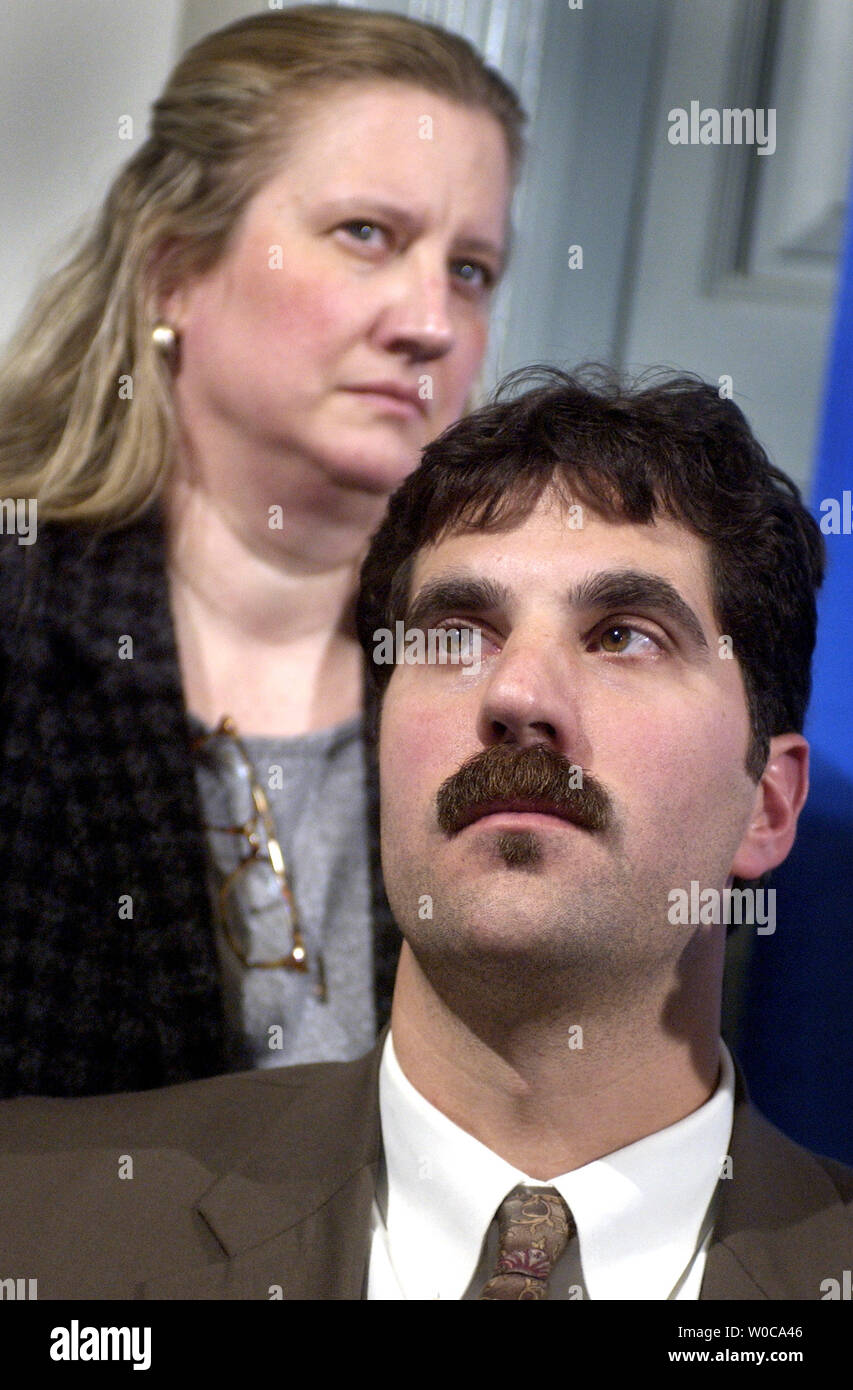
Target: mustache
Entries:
(537, 775)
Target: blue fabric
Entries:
(797, 1040)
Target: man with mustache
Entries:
(553, 1114)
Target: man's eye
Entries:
(620, 638)
(461, 626)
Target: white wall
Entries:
(68, 70)
(768, 333)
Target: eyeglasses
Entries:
(254, 891)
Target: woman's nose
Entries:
(417, 319)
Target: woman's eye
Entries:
(362, 231)
(474, 274)
(621, 638)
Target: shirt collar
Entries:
(641, 1212)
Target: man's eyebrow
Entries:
(614, 589)
(629, 589)
(454, 594)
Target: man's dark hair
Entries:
(670, 447)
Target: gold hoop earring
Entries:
(165, 340)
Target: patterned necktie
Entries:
(534, 1227)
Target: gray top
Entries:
(314, 784)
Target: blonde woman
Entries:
(285, 297)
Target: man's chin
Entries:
(532, 844)
(519, 849)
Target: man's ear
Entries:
(779, 798)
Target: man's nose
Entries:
(531, 696)
(417, 319)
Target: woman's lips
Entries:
(392, 394)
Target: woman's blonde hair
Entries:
(86, 421)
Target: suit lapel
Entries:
(293, 1221)
(778, 1230)
(322, 1253)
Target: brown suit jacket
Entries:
(260, 1185)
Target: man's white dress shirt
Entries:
(644, 1214)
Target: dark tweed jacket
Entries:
(98, 802)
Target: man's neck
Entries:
(547, 1097)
